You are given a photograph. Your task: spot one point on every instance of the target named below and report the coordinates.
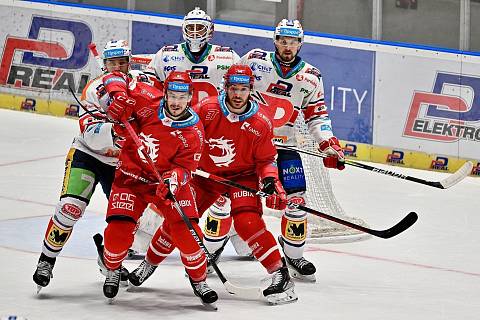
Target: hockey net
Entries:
(320, 196)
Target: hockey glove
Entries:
(121, 107)
(335, 157)
(277, 199)
(174, 179)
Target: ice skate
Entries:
(43, 273)
(112, 283)
(141, 273)
(300, 269)
(281, 290)
(207, 296)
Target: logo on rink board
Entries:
(295, 230)
(440, 164)
(47, 64)
(450, 113)
(350, 150)
(396, 157)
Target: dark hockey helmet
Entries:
(178, 81)
(238, 74)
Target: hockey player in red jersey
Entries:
(91, 160)
(172, 136)
(239, 147)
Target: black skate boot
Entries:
(43, 273)
(301, 269)
(215, 257)
(205, 293)
(142, 273)
(112, 283)
(98, 239)
(281, 290)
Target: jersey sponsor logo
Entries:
(185, 203)
(198, 72)
(450, 113)
(57, 237)
(222, 67)
(197, 156)
(440, 163)
(260, 67)
(247, 127)
(262, 55)
(314, 71)
(71, 210)
(396, 157)
(223, 49)
(151, 145)
(179, 135)
(226, 148)
(163, 242)
(47, 65)
(350, 150)
(169, 68)
(301, 77)
(281, 88)
(295, 230)
(303, 90)
(297, 200)
(170, 48)
(168, 58)
(292, 175)
(211, 57)
(194, 257)
(280, 139)
(242, 194)
(212, 226)
(123, 200)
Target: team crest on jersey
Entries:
(152, 146)
(227, 151)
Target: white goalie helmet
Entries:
(289, 28)
(197, 29)
(116, 49)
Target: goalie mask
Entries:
(197, 29)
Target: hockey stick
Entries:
(401, 226)
(249, 293)
(451, 180)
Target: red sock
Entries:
(118, 239)
(160, 246)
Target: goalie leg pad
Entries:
(147, 225)
(294, 227)
(251, 228)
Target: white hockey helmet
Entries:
(289, 28)
(116, 49)
(197, 29)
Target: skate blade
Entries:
(39, 288)
(110, 300)
(301, 277)
(288, 296)
(210, 306)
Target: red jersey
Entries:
(169, 143)
(236, 144)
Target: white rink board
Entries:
(398, 77)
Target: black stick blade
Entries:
(401, 226)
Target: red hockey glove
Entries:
(121, 107)
(277, 199)
(162, 192)
(335, 157)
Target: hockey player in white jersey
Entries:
(287, 85)
(91, 160)
(206, 63)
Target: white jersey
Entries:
(96, 136)
(206, 72)
(284, 96)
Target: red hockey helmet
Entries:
(178, 81)
(239, 74)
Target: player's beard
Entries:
(236, 103)
(176, 110)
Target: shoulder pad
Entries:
(314, 71)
